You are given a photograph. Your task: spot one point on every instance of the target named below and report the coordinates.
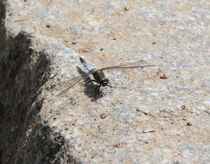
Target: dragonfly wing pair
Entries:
(97, 74)
(74, 81)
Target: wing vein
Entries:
(74, 81)
(126, 66)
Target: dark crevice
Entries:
(23, 72)
(21, 80)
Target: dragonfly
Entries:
(98, 74)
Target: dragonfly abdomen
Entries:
(86, 65)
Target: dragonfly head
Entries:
(105, 82)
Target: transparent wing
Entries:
(73, 82)
(128, 65)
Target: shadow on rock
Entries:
(91, 89)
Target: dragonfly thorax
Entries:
(100, 78)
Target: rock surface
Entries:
(158, 114)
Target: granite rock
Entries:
(158, 114)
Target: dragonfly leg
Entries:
(109, 85)
(94, 81)
(90, 80)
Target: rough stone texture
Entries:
(159, 114)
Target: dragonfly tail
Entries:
(81, 60)
(85, 64)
